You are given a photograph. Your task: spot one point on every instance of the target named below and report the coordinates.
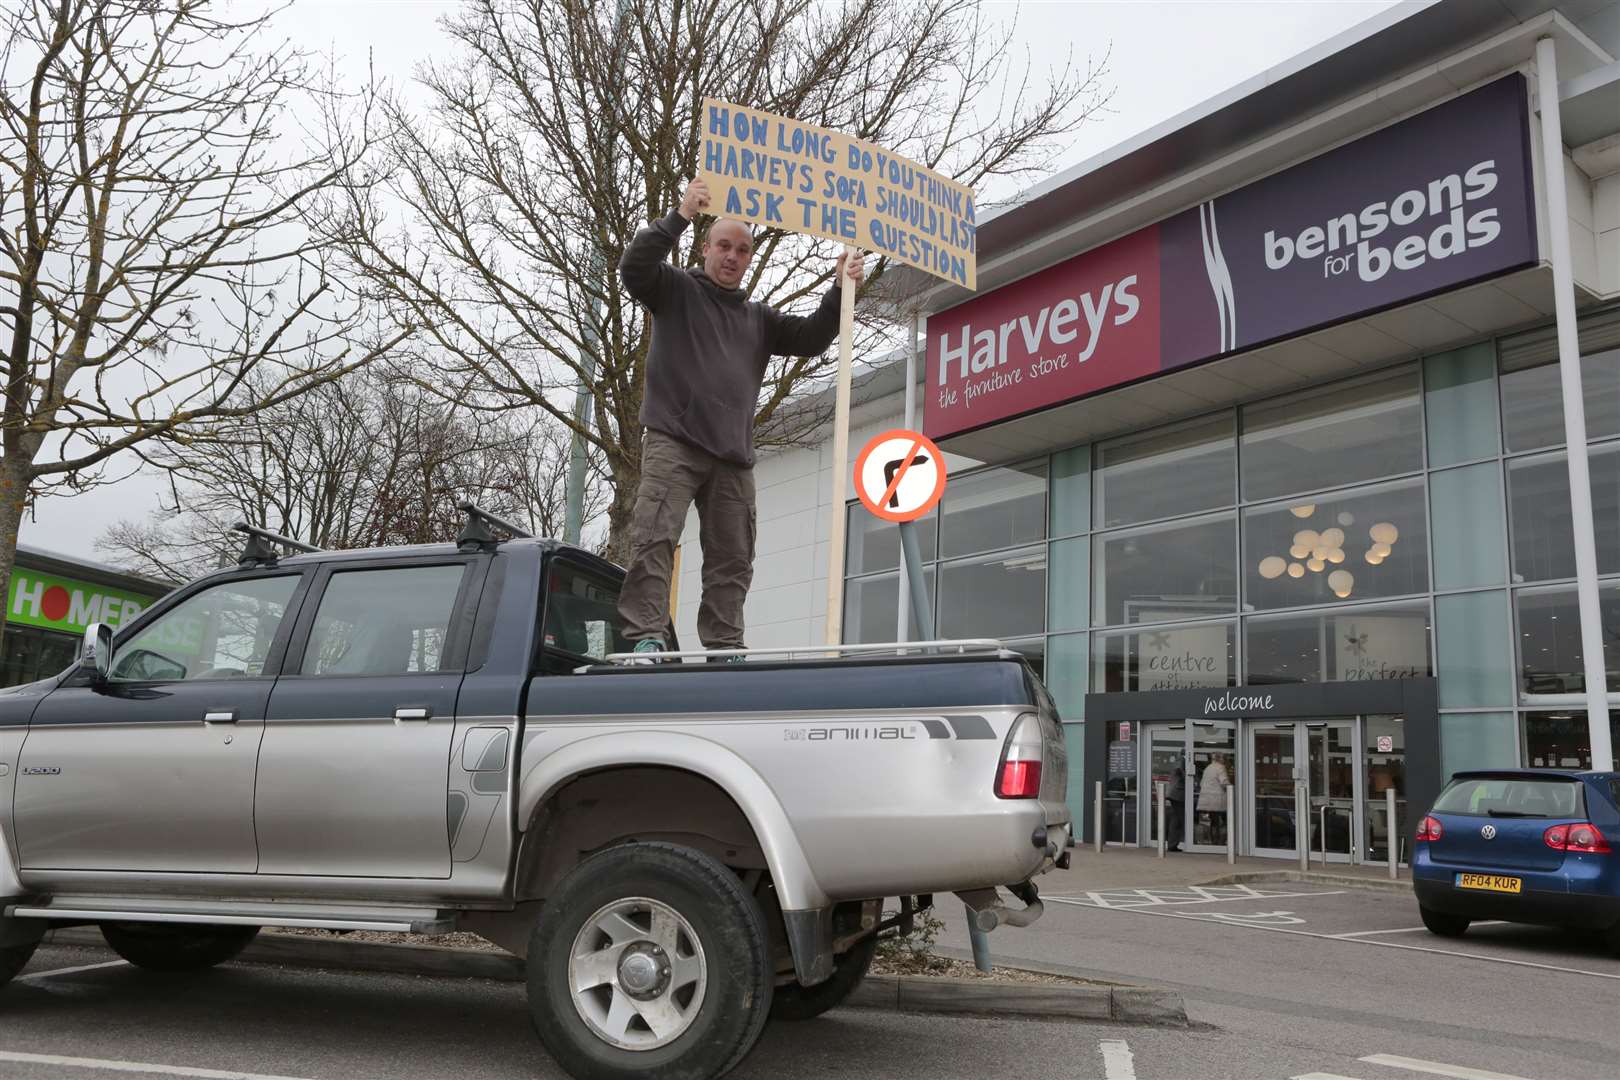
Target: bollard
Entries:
(1097, 820)
(1158, 789)
(979, 940)
(1391, 833)
(1231, 829)
(1302, 824)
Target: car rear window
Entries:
(1512, 797)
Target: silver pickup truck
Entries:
(428, 739)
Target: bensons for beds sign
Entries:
(1433, 202)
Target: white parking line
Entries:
(72, 970)
(134, 1067)
(1408, 929)
(1459, 1072)
(1322, 1076)
(1118, 1061)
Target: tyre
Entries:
(13, 958)
(1612, 938)
(795, 1002)
(1446, 925)
(175, 947)
(649, 960)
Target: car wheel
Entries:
(795, 1002)
(649, 960)
(13, 958)
(175, 947)
(1442, 923)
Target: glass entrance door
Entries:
(1196, 760)
(1324, 755)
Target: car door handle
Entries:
(415, 714)
(220, 716)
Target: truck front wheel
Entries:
(795, 1002)
(176, 947)
(649, 960)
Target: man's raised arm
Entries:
(798, 335)
(644, 267)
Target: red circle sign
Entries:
(900, 475)
(55, 603)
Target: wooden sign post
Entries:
(775, 171)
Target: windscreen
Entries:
(1531, 797)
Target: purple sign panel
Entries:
(1431, 203)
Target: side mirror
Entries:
(97, 655)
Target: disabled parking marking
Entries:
(107, 1065)
(1410, 929)
(1137, 899)
(1458, 1072)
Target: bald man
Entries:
(710, 346)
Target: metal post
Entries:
(1302, 824)
(1097, 820)
(903, 609)
(1323, 817)
(922, 609)
(1231, 828)
(1391, 832)
(980, 942)
(574, 510)
(1569, 371)
(1158, 789)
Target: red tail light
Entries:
(1019, 776)
(1429, 830)
(1019, 780)
(1581, 836)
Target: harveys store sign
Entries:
(55, 603)
(1431, 203)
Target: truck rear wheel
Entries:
(795, 1002)
(176, 947)
(649, 960)
(13, 958)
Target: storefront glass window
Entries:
(1351, 644)
(1475, 636)
(1069, 604)
(1165, 572)
(1533, 402)
(1068, 675)
(1562, 740)
(1071, 491)
(871, 607)
(1550, 656)
(874, 544)
(1033, 651)
(1459, 390)
(30, 654)
(1483, 740)
(1352, 545)
(1167, 473)
(1539, 514)
(1328, 438)
(1470, 542)
(1165, 658)
(994, 509)
(994, 595)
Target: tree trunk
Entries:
(13, 501)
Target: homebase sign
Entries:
(1428, 204)
(55, 603)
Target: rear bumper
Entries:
(1543, 901)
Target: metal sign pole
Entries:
(1391, 832)
(1158, 786)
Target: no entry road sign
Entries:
(900, 475)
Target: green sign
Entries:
(57, 603)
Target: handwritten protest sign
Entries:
(775, 171)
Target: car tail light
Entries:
(1429, 830)
(1019, 775)
(1581, 836)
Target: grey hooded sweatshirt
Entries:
(710, 345)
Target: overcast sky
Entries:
(1167, 56)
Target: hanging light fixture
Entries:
(1384, 533)
(1307, 538)
(1299, 551)
(1373, 557)
(1341, 582)
(1383, 551)
(1347, 519)
(1295, 570)
(1336, 556)
(1333, 537)
(1316, 564)
(1272, 567)
(1303, 512)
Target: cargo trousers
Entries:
(674, 475)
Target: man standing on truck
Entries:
(710, 346)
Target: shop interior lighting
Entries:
(1384, 533)
(1295, 570)
(1303, 511)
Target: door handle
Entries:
(220, 716)
(412, 714)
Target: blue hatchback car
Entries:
(1522, 845)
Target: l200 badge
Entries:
(42, 770)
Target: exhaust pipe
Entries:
(989, 912)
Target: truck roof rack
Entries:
(961, 646)
(476, 534)
(260, 549)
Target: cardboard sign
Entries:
(900, 475)
(775, 171)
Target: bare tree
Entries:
(368, 461)
(559, 127)
(163, 180)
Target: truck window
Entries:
(224, 632)
(383, 622)
(582, 613)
